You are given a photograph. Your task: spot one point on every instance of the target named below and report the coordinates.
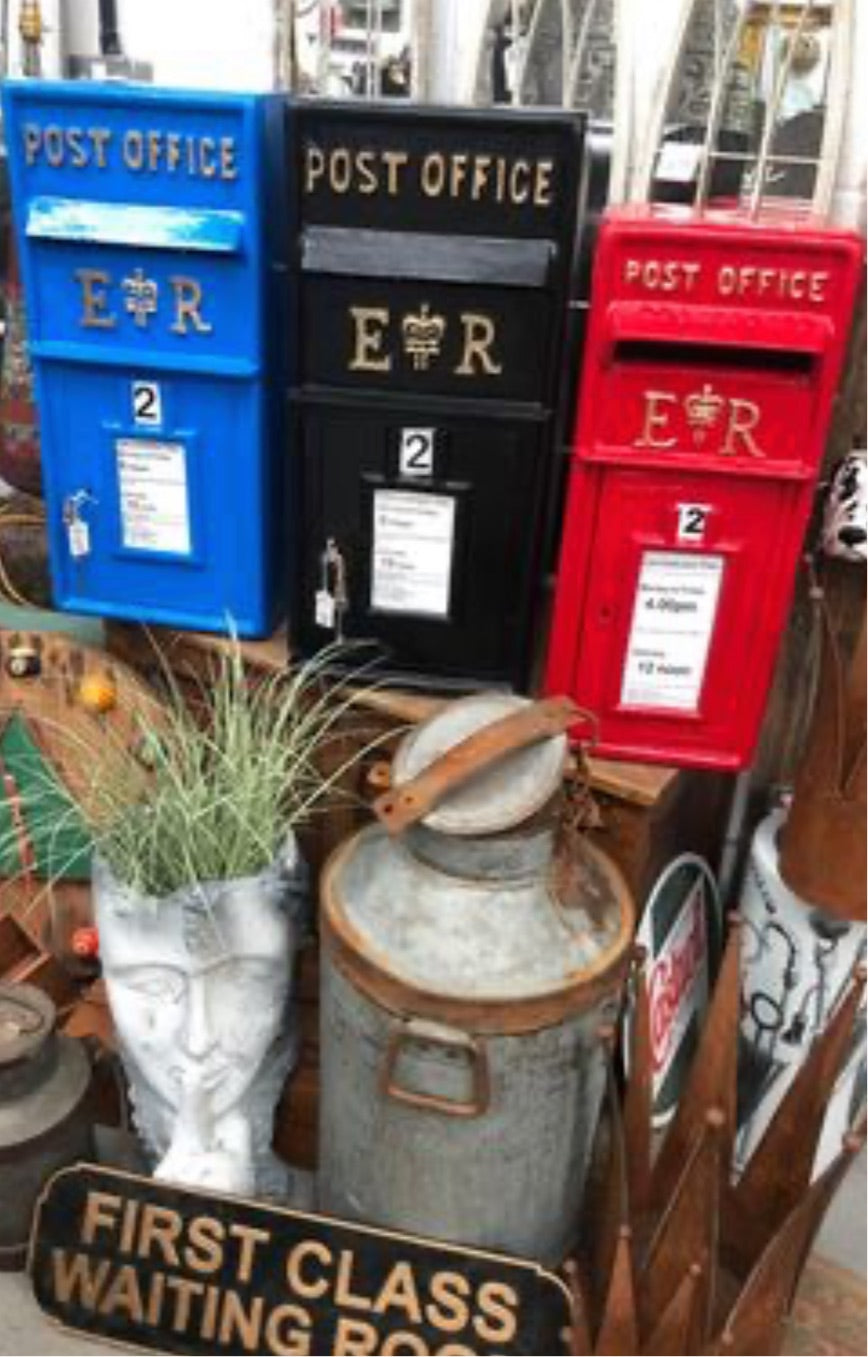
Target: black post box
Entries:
(435, 252)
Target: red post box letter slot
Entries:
(713, 354)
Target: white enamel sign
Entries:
(670, 633)
(413, 543)
(154, 506)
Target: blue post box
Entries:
(151, 233)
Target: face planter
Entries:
(199, 984)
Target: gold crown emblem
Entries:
(423, 335)
(141, 296)
(703, 410)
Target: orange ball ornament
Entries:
(97, 693)
(85, 942)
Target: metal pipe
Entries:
(579, 51)
(770, 121)
(733, 836)
(716, 109)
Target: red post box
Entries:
(714, 350)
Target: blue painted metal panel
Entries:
(152, 238)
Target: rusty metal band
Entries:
(369, 971)
(405, 805)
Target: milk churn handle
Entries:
(405, 805)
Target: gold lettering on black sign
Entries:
(423, 333)
(461, 176)
(479, 336)
(370, 331)
(383, 1317)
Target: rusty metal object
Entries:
(451, 1042)
(606, 1208)
(408, 803)
(462, 995)
(823, 840)
(779, 1170)
(685, 1235)
(44, 1120)
(578, 1337)
(619, 1329)
(639, 1095)
(22, 961)
(509, 1016)
(673, 1334)
(756, 1321)
(712, 1079)
(693, 1295)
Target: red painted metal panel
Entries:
(714, 351)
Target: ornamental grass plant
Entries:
(214, 784)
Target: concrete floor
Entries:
(25, 1331)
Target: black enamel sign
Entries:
(435, 250)
(170, 1270)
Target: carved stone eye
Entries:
(155, 982)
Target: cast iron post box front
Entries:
(714, 351)
(149, 223)
(436, 246)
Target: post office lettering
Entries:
(772, 284)
(460, 176)
(141, 150)
(750, 282)
(662, 275)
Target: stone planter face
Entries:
(199, 984)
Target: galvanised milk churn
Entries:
(473, 945)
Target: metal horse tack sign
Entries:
(165, 1269)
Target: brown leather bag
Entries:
(823, 841)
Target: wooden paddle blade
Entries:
(711, 1082)
(779, 1171)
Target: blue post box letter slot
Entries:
(150, 232)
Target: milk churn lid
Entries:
(27, 1018)
(497, 798)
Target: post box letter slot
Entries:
(65, 219)
(656, 352)
(417, 255)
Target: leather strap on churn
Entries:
(823, 840)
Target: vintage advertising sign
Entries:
(436, 250)
(681, 932)
(171, 1270)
